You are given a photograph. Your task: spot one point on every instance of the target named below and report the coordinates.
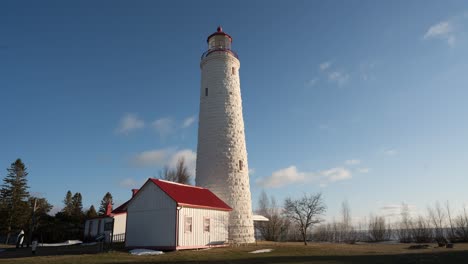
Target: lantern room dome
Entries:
(219, 32)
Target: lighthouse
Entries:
(222, 163)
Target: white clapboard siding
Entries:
(198, 237)
(120, 220)
(151, 218)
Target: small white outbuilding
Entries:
(172, 216)
(111, 225)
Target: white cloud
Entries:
(353, 162)
(441, 29)
(151, 158)
(390, 152)
(363, 170)
(444, 30)
(251, 171)
(291, 175)
(190, 159)
(164, 126)
(338, 77)
(188, 121)
(128, 123)
(128, 183)
(325, 65)
(282, 177)
(336, 174)
(165, 157)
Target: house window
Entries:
(206, 224)
(241, 166)
(188, 224)
(206, 91)
(233, 71)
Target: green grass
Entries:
(282, 253)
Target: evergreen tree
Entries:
(77, 206)
(68, 208)
(13, 198)
(105, 200)
(91, 213)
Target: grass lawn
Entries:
(282, 253)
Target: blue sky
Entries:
(359, 100)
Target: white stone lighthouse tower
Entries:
(222, 163)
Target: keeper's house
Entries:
(172, 216)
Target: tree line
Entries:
(438, 225)
(19, 210)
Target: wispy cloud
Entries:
(452, 30)
(338, 77)
(128, 123)
(325, 65)
(128, 183)
(291, 175)
(188, 121)
(390, 152)
(189, 157)
(353, 162)
(363, 170)
(165, 157)
(164, 126)
(443, 30)
(149, 158)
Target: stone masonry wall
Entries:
(221, 142)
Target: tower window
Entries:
(233, 71)
(206, 91)
(240, 165)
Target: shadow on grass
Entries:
(441, 257)
(81, 251)
(48, 251)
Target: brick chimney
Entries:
(109, 209)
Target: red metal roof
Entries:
(191, 196)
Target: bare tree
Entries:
(378, 230)
(437, 218)
(305, 212)
(421, 231)
(404, 228)
(461, 223)
(451, 236)
(180, 174)
(276, 227)
(347, 232)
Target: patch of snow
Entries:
(145, 252)
(261, 251)
(66, 243)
